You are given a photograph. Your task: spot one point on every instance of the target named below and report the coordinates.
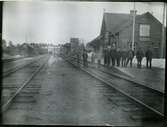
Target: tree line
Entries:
(24, 49)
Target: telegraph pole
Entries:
(105, 44)
(163, 33)
(133, 29)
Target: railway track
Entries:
(7, 69)
(145, 97)
(11, 59)
(125, 77)
(145, 94)
(16, 85)
(118, 74)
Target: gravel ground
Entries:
(68, 96)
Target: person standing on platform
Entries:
(130, 56)
(139, 56)
(85, 57)
(148, 56)
(93, 57)
(124, 57)
(121, 57)
(105, 55)
(113, 54)
(118, 56)
(108, 57)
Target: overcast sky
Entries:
(56, 22)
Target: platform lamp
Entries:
(133, 28)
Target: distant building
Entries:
(66, 48)
(117, 28)
(74, 43)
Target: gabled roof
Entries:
(116, 21)
(137, 18)
(95, 40)
(127, 22)
(148, 14)
(113, 20)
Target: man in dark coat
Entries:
(85, 57)
(93, 57)
(108, 56)
(118, 56)
(130, 56)
(124, 57)
(113, 55)
(148, 55)
(105, 56)
(139, 56)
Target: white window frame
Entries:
(144, 30)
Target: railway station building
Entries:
(116, 30)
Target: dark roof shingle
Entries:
(114, 20)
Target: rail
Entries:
(9, 101)
(70, 60)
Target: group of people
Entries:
(116, 57)
(148, 54)
(82, 57)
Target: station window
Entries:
(144, 30)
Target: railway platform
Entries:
(153, 78)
